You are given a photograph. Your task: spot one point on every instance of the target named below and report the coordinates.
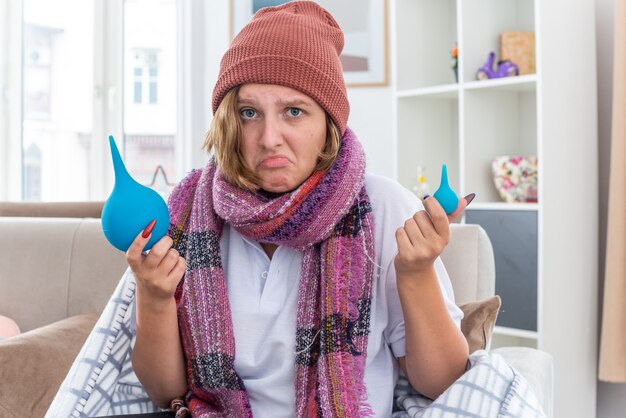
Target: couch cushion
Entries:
(33, 365)
(478, 321)
(95, 270)
(54, 268)
(34, 269)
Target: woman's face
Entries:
(284, 132)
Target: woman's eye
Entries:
(294, 111)
(247, 113)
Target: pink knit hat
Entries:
(296, 45)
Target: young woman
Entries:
(292, 282)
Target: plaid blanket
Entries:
(489, 388)
(101, 381)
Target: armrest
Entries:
(537, 368)
(52, 209)
(470, 263)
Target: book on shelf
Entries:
(519, 47)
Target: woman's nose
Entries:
(271, 134)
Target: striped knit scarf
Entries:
(329, 219)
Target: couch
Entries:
(57, 273)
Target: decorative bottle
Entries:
(420, 187)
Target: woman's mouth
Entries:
(278, 161)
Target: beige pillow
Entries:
(479, 320)
(34, 364)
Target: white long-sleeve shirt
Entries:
(263, 297)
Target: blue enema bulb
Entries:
(131, 207)
(445, 195)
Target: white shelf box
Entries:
(425, 45)
(467, 123)
(483, 21)
(498, 121)
(428, 137)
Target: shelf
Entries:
(466, 123)
(513, 332)
(446, 91)
(500, 340)
(523, 83)
(503, 206)
(520, 83)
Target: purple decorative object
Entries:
(506, 68)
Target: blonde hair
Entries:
(224, 139)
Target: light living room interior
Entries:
(423, 93)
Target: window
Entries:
(145, 71)
(57, 86)
(138, 85)
(81, 81)
(150, 122)
(38, 51)
(32, 173)
(153, 84)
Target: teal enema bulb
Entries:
(444, 194)
(131, 207)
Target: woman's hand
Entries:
(157, 357)
(158, 272)
(436, 350)
(424, 236)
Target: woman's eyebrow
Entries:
(293, 102)
(288, 102)
(245, 101)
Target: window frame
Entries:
(11, 111)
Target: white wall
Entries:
(611, 397)
(371, 120)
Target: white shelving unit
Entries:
(546, 261)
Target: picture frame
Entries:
(364, 23)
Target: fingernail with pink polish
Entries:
(469, 198)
